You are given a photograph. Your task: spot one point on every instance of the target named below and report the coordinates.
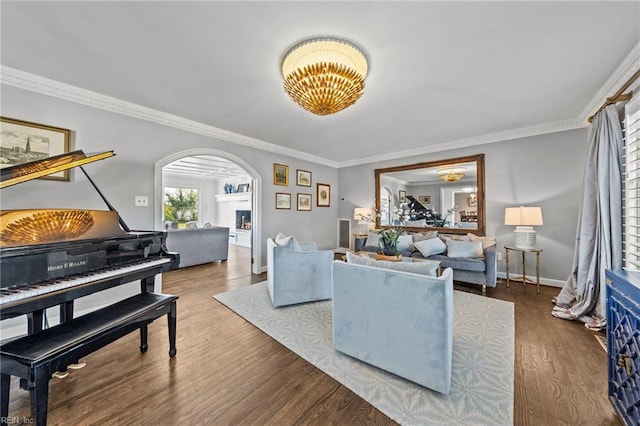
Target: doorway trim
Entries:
(256, 196)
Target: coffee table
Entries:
(372, 255)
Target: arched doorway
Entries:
(256, 196)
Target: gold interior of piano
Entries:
(40, 226)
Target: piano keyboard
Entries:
(11, 295)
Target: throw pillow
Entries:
(288, 241)
(464, 248)
(486, 241)
(405, 243)
(430, 247)
(423, 268)
(420, 223)
(455, 237)
(372, 240)
(421, 236)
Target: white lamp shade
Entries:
(363, 214)
(528, 216)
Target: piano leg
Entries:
(34, 321)
(147, 285)
(143, 339)
(171, 322)
(66, 311)
(5, 381)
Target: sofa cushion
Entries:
(288, 241)
(430, 247)
(464, 248)
(423, 268)
(486, 241)
(460, 263)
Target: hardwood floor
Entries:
(228, 372)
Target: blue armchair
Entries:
(398, 321)
(298, 276)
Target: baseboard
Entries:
(543, 281)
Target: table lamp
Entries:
(364, 216)
(524, 219)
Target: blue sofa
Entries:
(398, 321)
(476, 270)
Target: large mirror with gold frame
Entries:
(444, 195)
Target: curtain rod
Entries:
(618, 97)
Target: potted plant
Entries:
(388, 243)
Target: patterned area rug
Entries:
(483, 358)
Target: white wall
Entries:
(543, 171)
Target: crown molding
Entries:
(45, 86)
(620, 76)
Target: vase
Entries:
(388, 249)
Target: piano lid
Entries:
(27, 171)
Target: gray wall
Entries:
(543, 171)
(139, 145)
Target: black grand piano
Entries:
(49, 258)
(418, 211)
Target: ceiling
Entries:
(206, 166)
(442, 74)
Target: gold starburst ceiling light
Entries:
(324, 75)
(451, 175)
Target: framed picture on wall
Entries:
(24, 142)
(303, 178)
(280, 174)
(323, 195)
(283, 201)
(424, 199)
(304, 202)
(402, 196)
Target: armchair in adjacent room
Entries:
(297, 272)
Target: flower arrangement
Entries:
(388, 237)
(441, 223)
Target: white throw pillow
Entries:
(423, 268)
(288, 241)
(405, 243)
(372, 240)
(430, 247)
(486, 241)
(420, 223)
(464, 248)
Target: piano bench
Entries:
(35, 357)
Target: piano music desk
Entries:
(37, 356)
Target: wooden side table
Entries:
(524, 278)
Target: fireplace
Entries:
(243, 219)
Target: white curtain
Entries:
(599, 234)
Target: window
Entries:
(631, 194)
(180, 205)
